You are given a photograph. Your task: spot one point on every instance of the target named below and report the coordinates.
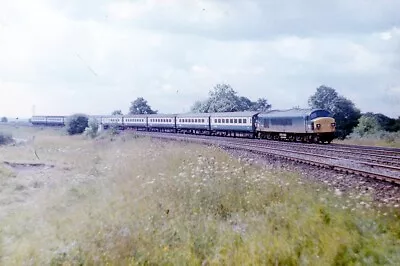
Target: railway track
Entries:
(355, 165)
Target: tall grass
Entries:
(141, 201)
(380, 138)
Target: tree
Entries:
(387, 123)
(223, 98)
(93, 128)
(367, 124)
(245, 103)
(117, 112)
(140, 106)
(200, 107)
(323, 98)
(342, 109)
(76, 124)
(4, 119)
(261, 105)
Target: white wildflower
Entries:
(338, 192)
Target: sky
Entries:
(94, 56)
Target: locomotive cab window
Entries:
(319, 113)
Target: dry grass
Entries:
(370, 142)
(140, 201)
(380, 139)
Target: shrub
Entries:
(367, 125)
(4, 119)
(76, 124)
(5, 138)
(385, 136)
(93, 128)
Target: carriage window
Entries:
(235, 121)
(231, 121)
(219, 120)
(223, 120)
(240, 120)
(215, 120)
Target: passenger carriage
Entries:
(48, 120)
(195, 123)
(115, 121)
(138, 122)
(161, 122)
(233, 123)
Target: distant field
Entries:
(125, 200)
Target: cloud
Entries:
(97, 56)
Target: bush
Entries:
(93, 128)
(5, 138)
(381, 135)
(76, 124)
(4, 119)
(367, 125)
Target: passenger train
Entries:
(304, 125)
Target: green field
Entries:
(125, 201)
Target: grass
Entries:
(380, 139)
(128, 201)
(370, 142)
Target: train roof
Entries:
(160, 115)
(51, 116)
(233, 114)
(289, 113)
(139, 115)
(193, 115)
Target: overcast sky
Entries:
(95, 56)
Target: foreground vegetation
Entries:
(125, 200)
